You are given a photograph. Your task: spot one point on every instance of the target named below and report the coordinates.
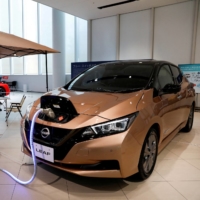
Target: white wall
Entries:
(104, 39)
(197, 53)
(172, 38)
(135, 35)
(173, 32)
(36, 83)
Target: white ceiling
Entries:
(87, 9)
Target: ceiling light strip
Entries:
(116, 4)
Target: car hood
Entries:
(106, 105)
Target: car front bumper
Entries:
(88, 158)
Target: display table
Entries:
(5, 100)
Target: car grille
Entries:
(56, 136)
(62, 140)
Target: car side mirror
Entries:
(171, 88)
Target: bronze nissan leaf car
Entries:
(112, 120)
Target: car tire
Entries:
(2, 92)
(148, 155)
(189, 124)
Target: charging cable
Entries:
(33, 154)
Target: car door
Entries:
(168, 102)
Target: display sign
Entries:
(79, 67)
(192, 72)
(44, 152)
(5, 77)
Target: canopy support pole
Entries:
(46, 73)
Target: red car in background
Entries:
(4, 89)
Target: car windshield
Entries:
(113, 77)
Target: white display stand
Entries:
(24, 88)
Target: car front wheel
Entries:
(148, 155)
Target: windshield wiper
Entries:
(106, 90)
(81, 89)
(117, 91)
(102, 90)
(128, 90)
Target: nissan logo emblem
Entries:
(45, 132)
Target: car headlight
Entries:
(109, 128)
(28, 109)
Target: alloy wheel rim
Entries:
(150, 153)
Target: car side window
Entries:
(177, 74)
(165, 76)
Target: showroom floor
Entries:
(176, 175)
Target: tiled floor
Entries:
(176, 175)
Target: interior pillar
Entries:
(58, 78)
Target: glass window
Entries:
(81, 40)
(177, 74)
(16, 17)
(69, 41)
(165, 76)
(45, 37)
(33, 21)
(113, 77)
(4, 27)
(16, 29)
(17, 66)
(30, 21)
(5, 66)
(4, 16)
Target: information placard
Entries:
(192, 72)
(79, 67)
